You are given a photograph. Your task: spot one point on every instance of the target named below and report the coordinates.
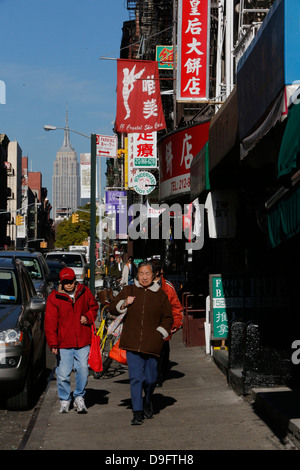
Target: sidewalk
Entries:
(194, 410)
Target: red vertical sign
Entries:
(139, 107)
(193, 50)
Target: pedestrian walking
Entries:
(112, 270)
(177, 312)
(99, 273)
(70, 312)
(129, 272)
(147, 323)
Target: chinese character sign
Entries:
(164, 57)
(145, 154)
(175, 155)
(139, 107)
(131, 170)
(193, 47)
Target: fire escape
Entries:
(251, 16)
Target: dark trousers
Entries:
(142, 370)
(163, 362)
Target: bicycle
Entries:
(105, 295)
(106, 340)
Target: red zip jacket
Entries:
(177, 310)
(62, 319)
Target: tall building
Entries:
(66, 179)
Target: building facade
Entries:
(65, 180)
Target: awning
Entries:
(288, 159)
(272, 117)
(284, 218)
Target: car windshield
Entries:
(71, 260)
(33, 267)
(8, 287)
(55, 268)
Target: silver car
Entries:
(73, 259)
(22, 338)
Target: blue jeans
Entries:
(142, 370)
(68, 359)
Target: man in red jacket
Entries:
(177, 312)
(69, 315)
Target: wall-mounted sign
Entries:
(176, 153)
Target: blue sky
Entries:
(50, 58)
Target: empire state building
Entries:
(66, 179)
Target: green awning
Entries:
(288, 159)
(284, 218)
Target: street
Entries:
(14, 424)
(193, 410)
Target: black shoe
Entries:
(159, 384)
(148, 410)
(138, 418)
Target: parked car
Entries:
(22, 337)
(55, 266)
(37, 268)
(73, 259)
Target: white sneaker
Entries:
(79, 405)
(64, 406)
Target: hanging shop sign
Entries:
(131, 171)
(139, 106)
(144, 150)
(116, 205)
(85, 176)
(144, 182)
(193, 50)
(164, 57)
(176, 153)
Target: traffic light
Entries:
(43, 244)
(121, 152)
(19, 220)
(75, 218)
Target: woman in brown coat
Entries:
(147, 323)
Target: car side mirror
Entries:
(37, 305)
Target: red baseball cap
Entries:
(67, 274)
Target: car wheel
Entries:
(23, 400)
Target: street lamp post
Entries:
(92, 137)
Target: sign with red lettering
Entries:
(193, 50)
(144, 152)
(106, 146)
(164, 57)
(139, 107)
(176, 153)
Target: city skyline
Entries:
(51, 58)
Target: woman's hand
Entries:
(130, 299)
